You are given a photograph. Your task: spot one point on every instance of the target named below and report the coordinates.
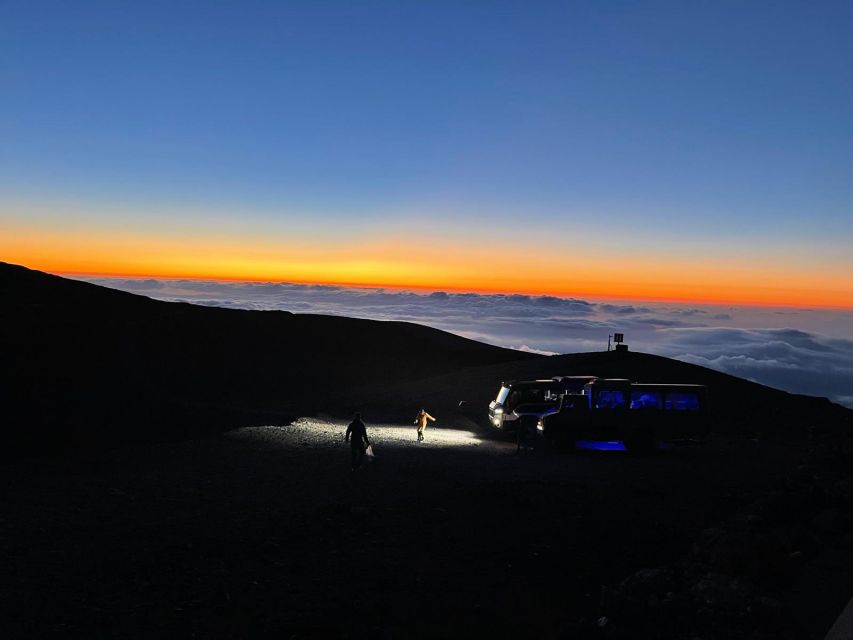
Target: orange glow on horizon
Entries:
(748, 296)
(436, 264)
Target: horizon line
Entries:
(481, 291)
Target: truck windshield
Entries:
(530, 395)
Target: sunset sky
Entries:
(698, 151)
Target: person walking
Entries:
(357, 437)
(421, 421)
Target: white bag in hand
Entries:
(368, 453)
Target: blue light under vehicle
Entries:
(613, 445)
(600, 445)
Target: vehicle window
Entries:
(574, 402)
(551, 395)
(502, 394)
(610, 399)
(646, 400)
(528, 395)
(680, 401)
(576, 386)
(533, 394)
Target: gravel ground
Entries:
(266, 531)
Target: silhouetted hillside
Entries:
(85, 364)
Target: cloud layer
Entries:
(799, 350)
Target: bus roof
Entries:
(668, 385)
(515, 383)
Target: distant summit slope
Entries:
(84, 362)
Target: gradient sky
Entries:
(653, 150)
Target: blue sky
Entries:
(741, 107)
(700, 129)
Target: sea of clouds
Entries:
(800, 350)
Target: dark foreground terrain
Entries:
(265, 532)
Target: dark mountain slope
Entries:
(82, 362)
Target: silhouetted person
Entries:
(421, 421)
(357, 437)
(525, 432)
